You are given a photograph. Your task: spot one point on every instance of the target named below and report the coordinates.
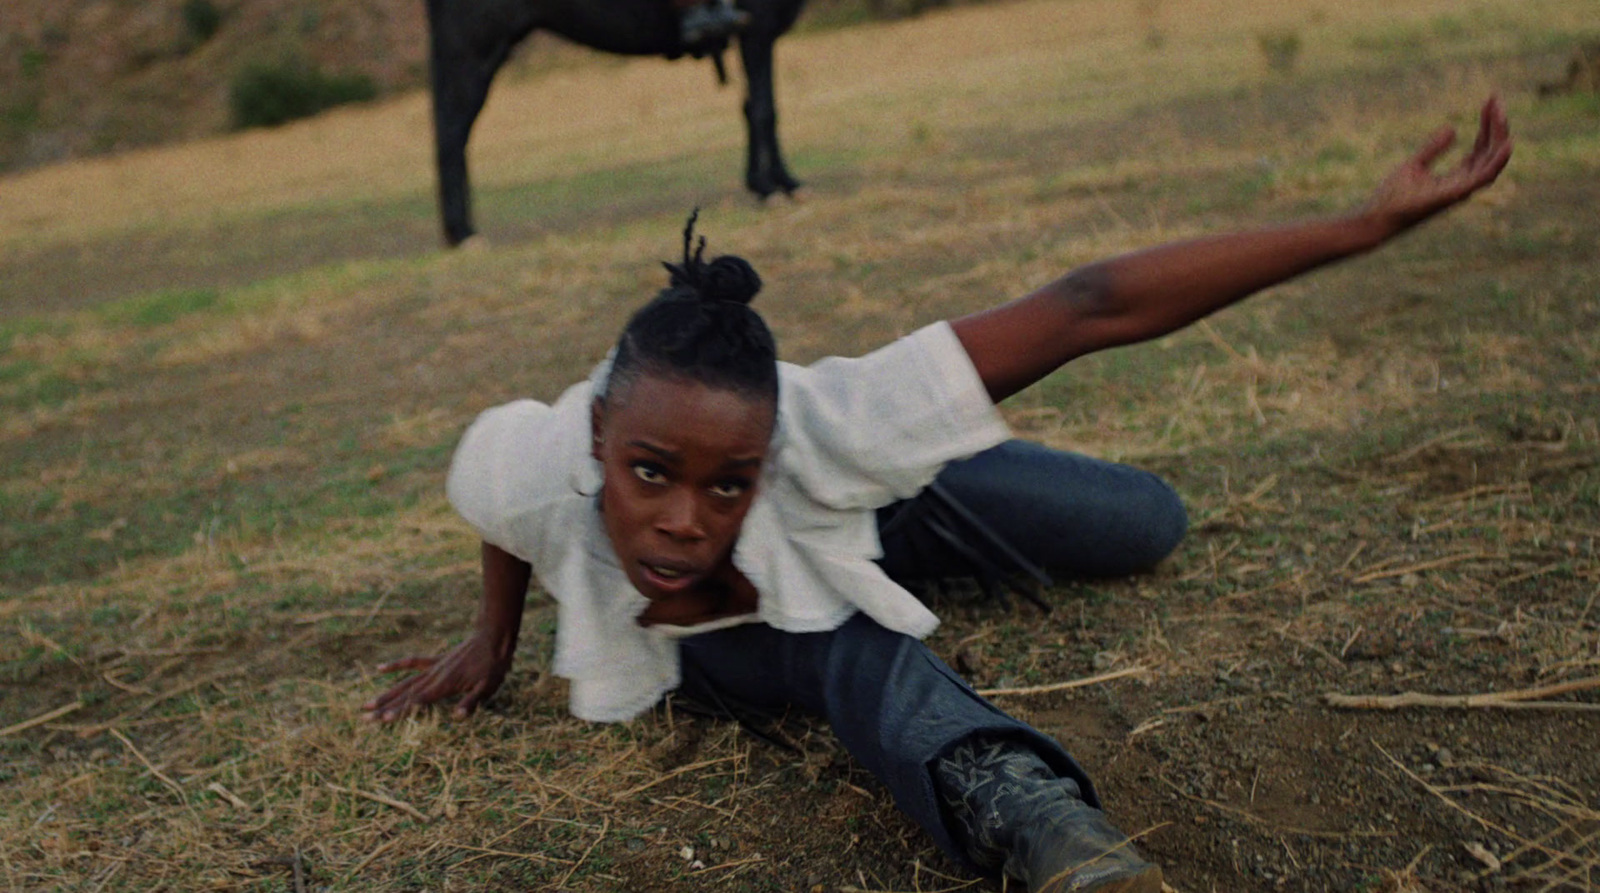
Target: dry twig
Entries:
(216, 788)
(381, 849)
(41, 719)
(91, 730)
(1554, 856)
(1524, 699)
(162, 776)
(1434, 564)
(1276, 828)
(1063, 686)
(605, 826)
(536, 857)
(401, 805)
(671, 775)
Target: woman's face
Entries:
(679, 461)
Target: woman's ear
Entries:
(597, 416)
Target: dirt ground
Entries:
(225, 437)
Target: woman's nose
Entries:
(680, 517)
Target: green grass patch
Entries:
(27, 384)
(160, 308)
(40, 540)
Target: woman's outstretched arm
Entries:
(1146, 294)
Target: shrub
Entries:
(1281, 48)
(201, 19)
(269, 94)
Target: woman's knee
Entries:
(1158, 524)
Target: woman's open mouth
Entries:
(669, 577)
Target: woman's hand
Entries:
(1413, 192)
(472, 671)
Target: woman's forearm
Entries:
(1149, 293)
(505, 590)
(1146, 294)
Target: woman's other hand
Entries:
(1413, 192)
(471, 672)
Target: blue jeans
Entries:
(897, 707)
(1069, 514)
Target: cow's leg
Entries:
(765, 172)
(461, 69)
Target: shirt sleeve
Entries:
(511, 464)
(861, 433)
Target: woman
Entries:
(714, 522)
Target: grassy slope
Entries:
(227, 413)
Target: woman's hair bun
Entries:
(729, 278)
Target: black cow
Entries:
(471, 39)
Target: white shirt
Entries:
(853, 435)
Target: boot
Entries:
(1013, 813)
(704, 26)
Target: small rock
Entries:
(1445, 757)
(1482, 854)
(687, 853)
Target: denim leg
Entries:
(895, 706)
(1070, 514)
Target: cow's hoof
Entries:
(477, 243)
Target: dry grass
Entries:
(223, 520)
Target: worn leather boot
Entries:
(710, 24)
(1013, 813)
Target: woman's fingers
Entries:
(409, 693)
(398, 699)
(1436, 146)
(1486, 125)
(395, 696)
(463, 672)
(408, 663)
(466, 705)
(1493, 147)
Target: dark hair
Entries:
(700, 327)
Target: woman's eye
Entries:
(649, 474)
(729, 489)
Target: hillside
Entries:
(90, 77)
(80, 77)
